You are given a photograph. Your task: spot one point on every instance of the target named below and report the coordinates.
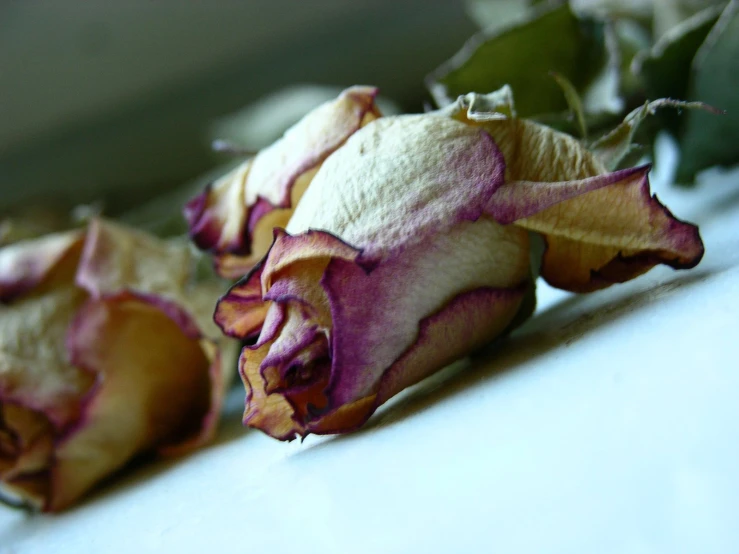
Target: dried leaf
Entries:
(522, 56)
(706, 140)
(613, 147)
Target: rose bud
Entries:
(106, 352)
(233, 219)
(410, 249)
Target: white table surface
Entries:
(608, 424)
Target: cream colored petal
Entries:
(235, 216)
(117, 257)
(26, 451)
(600, 228)
(26, 441)
(532, 152)
(535, 152)
(153, 390)
(608, 235)
(270, 412)
(374, 318)
(398, 180)
(35, 370)
(28, 264)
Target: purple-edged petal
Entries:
(240, 312)
(116, 258)
(235, 216)
(271, 413)
(600, 228)
(85, 384)
(599, 231)
(244, 309)
(40, 390)
(26, 450)
(374, 318)
(25, 440)
(154, 389)
(399, 180)
(535, 152)
(464, 325)
(27, 264)
(35, 371)
(413, 236)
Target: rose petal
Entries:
(235, 216)
(34, 367)
(159, 380)
(375, 316)
(154, 390)
(400, 179)
(40, 391)
(517, 200)
(396, 294)
(269, 412)
(532, 152)
(26, 441)
(599, 231)
(116, 257)
(23, 465)
(600, 228)
(465, 324)
(408, 251)
(462, 326)
(300, 342)
(241, 312)
(26, 264)
(412, 239)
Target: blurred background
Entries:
(115, 101)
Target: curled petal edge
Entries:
(65, 483)
(25, 265)
(224, 221)
(600, 230)
(452, 326)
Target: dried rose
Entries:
(103, 355)
(233, 219)
(410, 249)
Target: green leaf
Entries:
(494, 14)
(632, 39)
(522, 56)
(665, 68)
(573, 101)
(613, 147)
(706, 140)
(668, 14)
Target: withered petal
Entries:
(234, 217)
(155, 389)
(117, 257)
(600, 228)
(360, 306)
(26, 441)
(399, 180)
(35, 371)
(465, 324)
(27, 264)
(410, 249)
(599, 231)
(272, 413)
